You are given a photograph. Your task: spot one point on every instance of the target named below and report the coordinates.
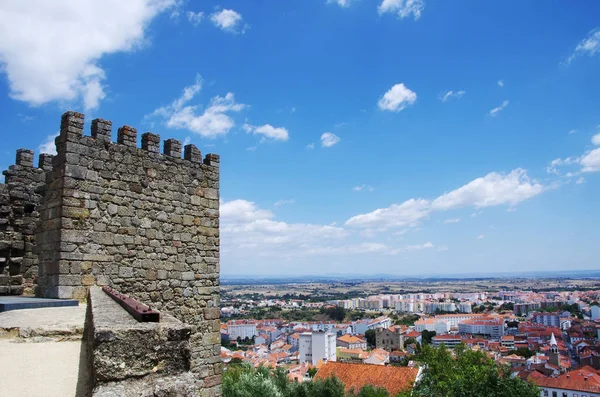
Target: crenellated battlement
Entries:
(71, 129)
(139, 219)
(20, 197)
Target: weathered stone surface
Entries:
(122, 348)
(143, 222)
(20, 198)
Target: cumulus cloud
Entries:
(328, 139)
(55, 55)
(491, 190)
(571, 132)
(363, 187)
(397, 98)
(48, 146)
(589, 46)
(310, 146)
(195, 17)
(228, 20)
(497, 110)
(246, 226)
(214, 121)
(480, 237)
(267, 131)
(588, 161)
(500, 83)
(494, 189)
(451, 94)
(403, 8)
(408, 213)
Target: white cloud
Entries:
(451, 94)
(409, 213)
(571, 132)
(310, 146)
(590, 45)
(404, 8)
(228, 20)
(591, 161)
(213, 122)
(284, 202)
(397, 98)
(249, 231)
(495, 111)
(480, 237)
(195, 17)
(240, 211)
(341, 3)
(500, 83)
(452, 220)
(363, 187)
(419, 247)
(48, 146)
(268, 132)
(328, 139)
(55, 55)
(491, 190)
(580, 180)
(251, 148)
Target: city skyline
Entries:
(388, 137)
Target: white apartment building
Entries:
(360, 327)
(548, 319)
(432, 324)
(595, 313)
(315, 346)
(494, 327)
(242, 331)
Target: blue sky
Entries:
(356, 136)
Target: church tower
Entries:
(554, 355)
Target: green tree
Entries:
(242, 381)
(370, 336)
(426, 336)
(468, 373)
(369, 391)
(312, 372)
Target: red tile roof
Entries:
(394, 379)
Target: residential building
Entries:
(578, 383)
(389, 339)
(317, 346)
(448, 340)
(508, 341)
(524, 308)
(595, 312)
(241, 330)
(490, 326)
(351, 342)
(548, 319)
(361, 326)
(350, 355)
(377, 357)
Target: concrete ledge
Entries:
(23, 302)
(120, 348)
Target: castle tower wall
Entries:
(144, 222)
(20, 197)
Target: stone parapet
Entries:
(121, 348)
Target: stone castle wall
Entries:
(20, 197)
(144, 222)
